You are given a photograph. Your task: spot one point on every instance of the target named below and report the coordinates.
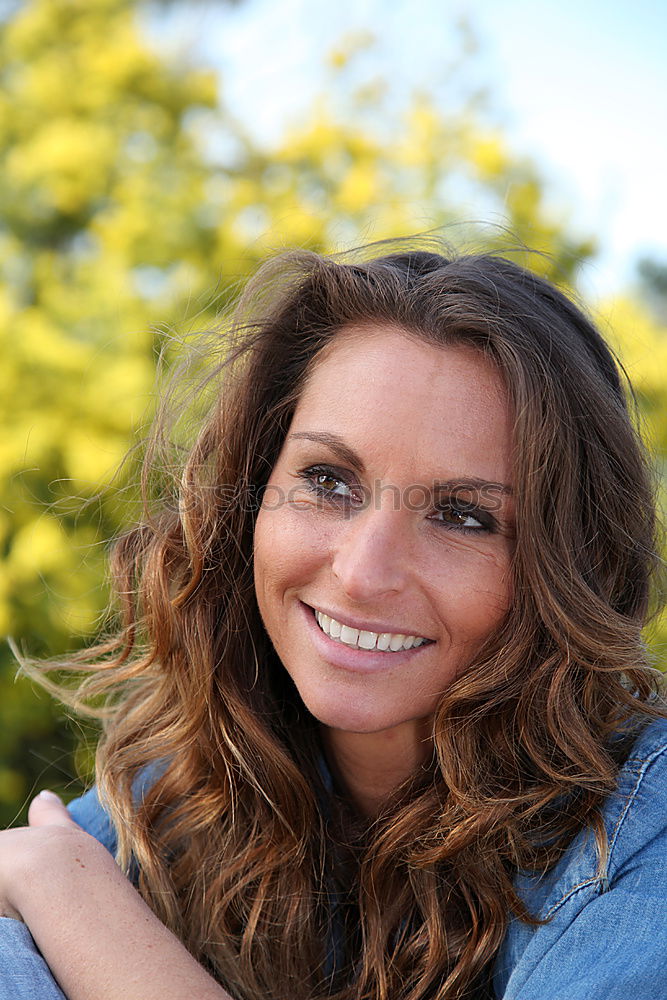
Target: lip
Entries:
(360, 661)
(363, 626)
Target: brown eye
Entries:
(454, 517)
(330, 484)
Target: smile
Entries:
(389, 642)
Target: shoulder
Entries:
(89, 813)
(634, 814)
(579, 894)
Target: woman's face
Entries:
(387, 522)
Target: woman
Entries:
(382, 721)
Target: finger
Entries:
(47, 809)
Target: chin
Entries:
(352, 716)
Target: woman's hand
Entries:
(29, 856)
(99, 938)
(48, 810)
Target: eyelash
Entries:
(309, 477)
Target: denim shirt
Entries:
(606, 937)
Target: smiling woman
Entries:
(389, 733)
(376, 586)
(426, 581)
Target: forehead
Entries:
(394, 394)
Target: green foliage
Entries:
(101, 235)
(131, 204)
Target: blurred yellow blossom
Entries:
(118, 225)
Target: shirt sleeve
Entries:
(615, 949)
(607, 939)
(24, 975)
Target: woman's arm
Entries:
(100, 939)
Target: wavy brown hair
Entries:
(239, 845)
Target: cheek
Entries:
(476, 592)
(287, 551)
(268, 556)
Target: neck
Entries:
(371, 766)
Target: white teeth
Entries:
(349, 635)
(360, 639)
(333, 627)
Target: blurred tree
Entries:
(653, 284)
(101, 194)
(128, 191)
(635, 329)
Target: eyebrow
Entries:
(336, 444)
(350, 457)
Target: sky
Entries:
(578, 85)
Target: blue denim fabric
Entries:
(24, 975)
(606, 938)
(89, 814)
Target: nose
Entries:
(370, 555)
